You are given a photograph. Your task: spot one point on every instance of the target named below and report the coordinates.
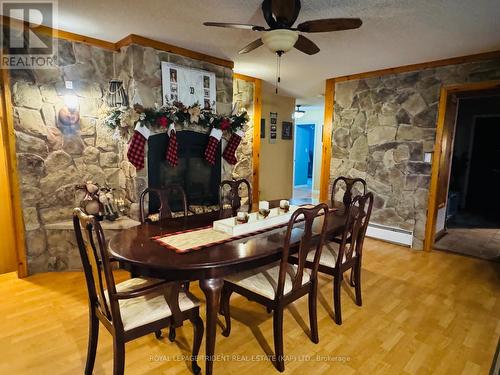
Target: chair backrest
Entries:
(96, 265)
(358, 217)
(306, 217)
(163, 195)
(233, 196)
(349, 188)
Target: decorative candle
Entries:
(284, 203)
(263, 205)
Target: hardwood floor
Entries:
(423, 313)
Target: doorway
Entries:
(469, 169)
(303, 162)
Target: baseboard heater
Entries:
(390, 234)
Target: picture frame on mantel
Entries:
(286, 130)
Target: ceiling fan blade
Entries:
(242, 26)
(329, 24)
(306, 45)
(251, 46)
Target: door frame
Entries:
(445, 96)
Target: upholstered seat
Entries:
(329, 255)
(136, 312)
(264, 280)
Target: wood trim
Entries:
(60, 34)
(257, 115)
(146, 42)
(421, 66)
(432, 206)
(244, 77)
(327, 139)
(9, 139)
(128, 40)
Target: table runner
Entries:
(199, 238)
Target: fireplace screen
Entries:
(199, 179)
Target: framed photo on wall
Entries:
(263, 128)
(286, 130)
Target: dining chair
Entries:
(232, 197)
(278, 284)
(163, 195)
(350, 191)
(337, 258)
(132, 308)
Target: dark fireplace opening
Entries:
(199, 179)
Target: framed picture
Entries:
(286, 130)
(274, 117)
(263, 128)
(173, 75)
(273, 128)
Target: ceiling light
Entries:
(280, 40)
(299, 113)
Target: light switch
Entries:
(428, 157)
(69, 85)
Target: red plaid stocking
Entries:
(171, 155)
(135, 153)
(230, 150)
(213, 141)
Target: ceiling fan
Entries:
(281, 36)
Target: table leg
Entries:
(212, 289)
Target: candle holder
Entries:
(264, 212)
(284, 206)
(242, 218)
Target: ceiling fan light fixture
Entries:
(280, 40)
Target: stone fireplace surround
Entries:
(51, 163)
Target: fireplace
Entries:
(199, 179)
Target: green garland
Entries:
(177, 113)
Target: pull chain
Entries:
(278, 69)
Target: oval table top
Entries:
(137, 252)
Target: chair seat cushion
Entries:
(329, 255)
(136, 312)
(264, 280)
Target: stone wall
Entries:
(382, 128)
(243, 99)
(52, 160)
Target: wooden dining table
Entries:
(139, 254)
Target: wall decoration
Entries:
(273, 129)
(274, 118)
(188, 85)
(263, 128)
(116, 96)
(286, 130)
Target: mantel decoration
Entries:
(148, 120)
